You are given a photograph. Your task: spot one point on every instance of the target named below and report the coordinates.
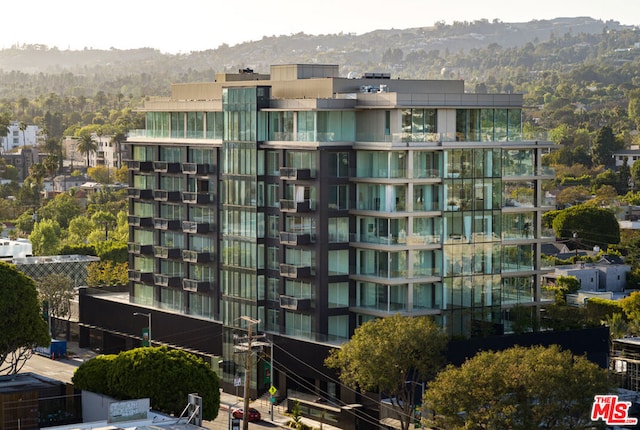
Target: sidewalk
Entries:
(74, 352)
(76, 356)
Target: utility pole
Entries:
(247, 373)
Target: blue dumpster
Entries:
(57, 349)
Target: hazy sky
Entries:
(195, 25)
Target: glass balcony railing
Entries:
(295, 206)
(195, 285)
(295, 303)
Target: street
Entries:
(63, 369)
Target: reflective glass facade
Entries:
(314, 213)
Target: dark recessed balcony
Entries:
(140, 221)
(167, 252)
(140, 193)
(295, 239)
(196, 198)
(196, 227)
(195, 285)
(141, 166)
(166, 196)
(137, 249)
(294, 303)
(291, 173)
(195, 169)
(142, 277)
(167, 224)
(162, 280)
(166, 167)
(296, 272)
(191, 256)
(294, 206)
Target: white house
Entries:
(609, 274)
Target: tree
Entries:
(163, 375)
(45, 237)
(100, 174)
(564, 285)
(21, 324)
(62, 208)
(5, 121)
(51, 164)
(592, 225)
(106, 273)
(573, 196)
(603, 147)
(106, 220)
(79, 229)
(624, 177)
(631, 306)
(635, 175)
(518, 388)
(387, 354)
(605, 195)
(57, 290)
(86, 145)
(23, 127)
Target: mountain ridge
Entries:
(298, 47)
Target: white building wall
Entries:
(614, 277)
(589, 278)
(16, 138)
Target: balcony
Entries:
(196, 227)
(140, 221)
(191, 256)
(196, 198)
(295, 239)
(291, 173)
(166, 196)
(140, 193)
(295, 272)
(195, 169)
(167, 252)
(174, 280)
(167, 224)
(141, 166)
(137, 249)
(141, 277)
(294, 206)
(166, 167)
(195, 285)
(294, 303)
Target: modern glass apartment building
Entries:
(314, 203)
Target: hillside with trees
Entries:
(580, 79)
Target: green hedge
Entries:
(166, 376)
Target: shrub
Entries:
(166, 376)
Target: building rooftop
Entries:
(56, 259)
(22, 382)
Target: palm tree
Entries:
(117, 139)
(86, 146)
(37, 171)
(50, 164)
(23, 126)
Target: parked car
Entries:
(254, 414)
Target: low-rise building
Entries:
(609, 274)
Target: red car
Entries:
(254, 414)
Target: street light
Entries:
(142, 314)
(575, 240)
